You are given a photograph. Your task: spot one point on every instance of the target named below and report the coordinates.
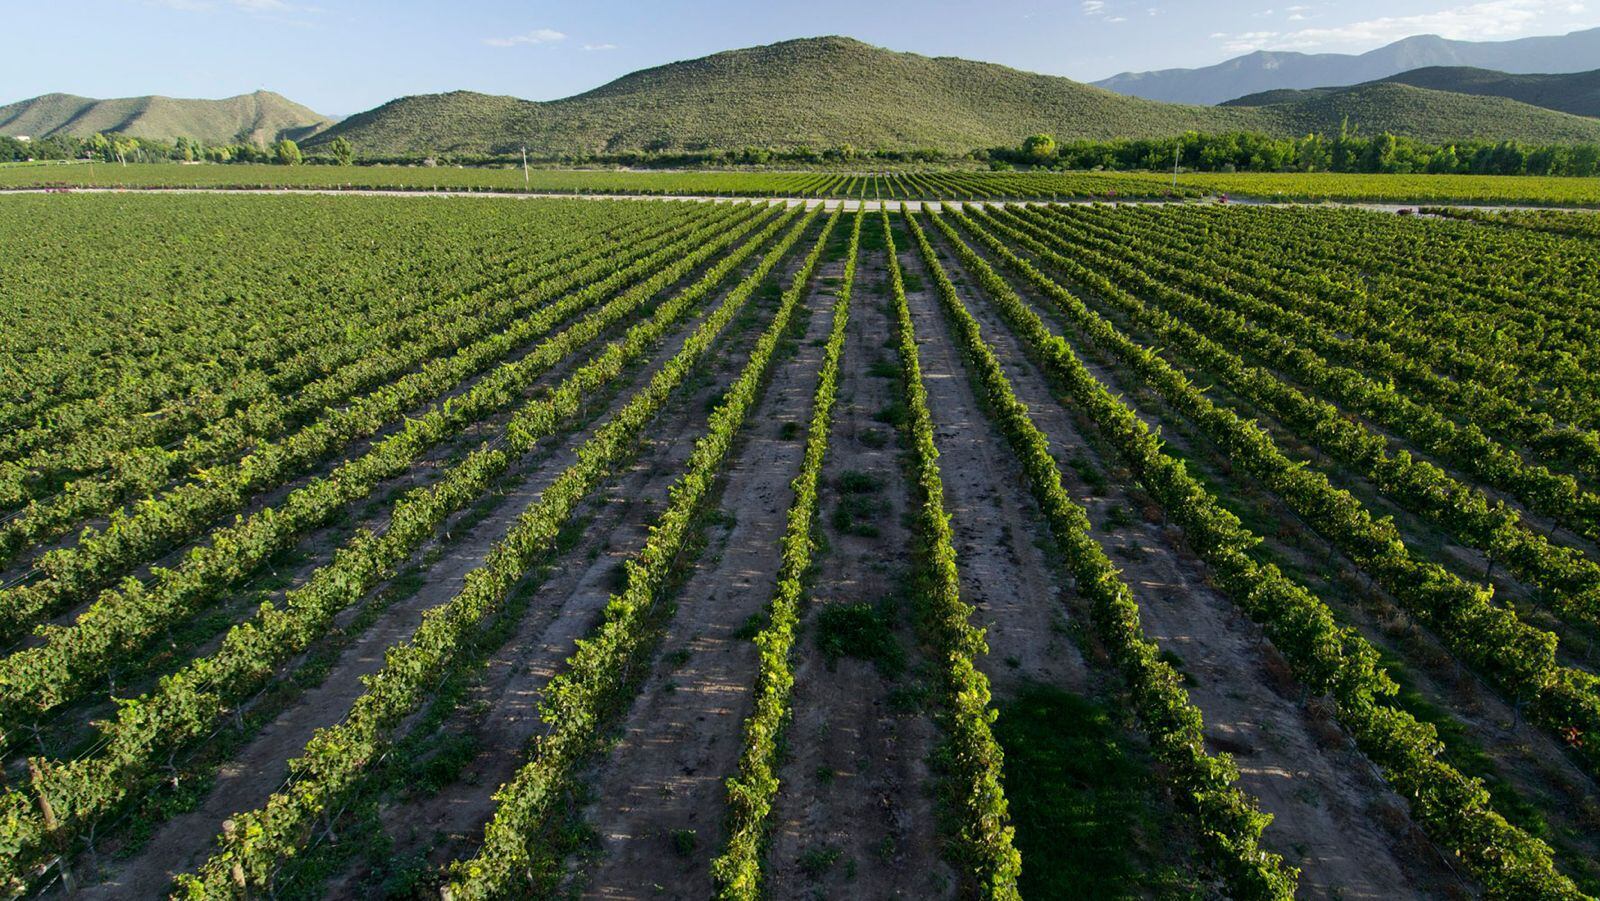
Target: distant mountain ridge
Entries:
(835, 91)
(1266, 70)
(1577, 93)
(260, 118)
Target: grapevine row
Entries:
(1512, 408)
(926, 185)
(1229, 822)
(1519, 659)
(1496, 529)
(1553, 336)
(157, 522)
(204, 358)
(1544, 491)
(119, 621)
(188, 703)
(459, 325)
(1327, 658)
(985, 840)
(601, 676)
(281, 365)
(337, 757)
(738, 870)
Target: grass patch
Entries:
(819, 860)
(873, 438)
(751, 627)
(1089, 821)
(859, 507)
(893, 413)
(884, 368)
(684, 841)
(1117, 517)
(856, 482)
(1088, 473)
(864, 631)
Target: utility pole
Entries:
(524, 167)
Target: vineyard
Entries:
(897, 185)
(369, 547)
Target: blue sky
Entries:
(343, 56)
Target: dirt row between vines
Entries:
(500, 712)
(250, 776)
(1332, 816)
(856, 780)
(316, 547)
(1523, 754)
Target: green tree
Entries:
(287, 152)
(1040, 147)
(343, 151)
(1444, 161)
(1585, 160)
(101, 146)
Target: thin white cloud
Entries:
(1245, 41)
(1493, 19)
(1094, 7)
(593, 47)
(536, 36)
(249, 6)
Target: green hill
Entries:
(1577, 93)
(831, 91)
(821, 92)
(261, 117)
(1429, 115)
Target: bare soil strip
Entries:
(658, 797)
(1564, 799)
(856, 781)
(259, 768)
(317, 546)
(500, 713)
(1004, 572)
(1333, 817)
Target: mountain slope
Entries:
(1267, 70)
(828, 92)
(1577, 93)
(1433, 116)
(261, 117)
(817, 92)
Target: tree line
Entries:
(119, 148)
(1350, 151)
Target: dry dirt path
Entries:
(500, 713)
(856, 779)
(1333, 817)
(249, 777)
(1567, 799)
(682, 737)
(828, 202)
